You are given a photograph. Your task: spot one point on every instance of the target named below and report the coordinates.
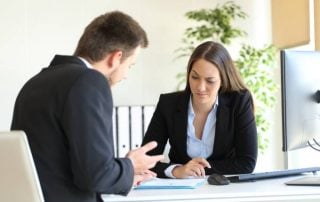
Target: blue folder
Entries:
(159, 183)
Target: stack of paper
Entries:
(159, 183)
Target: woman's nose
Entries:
(201, 86)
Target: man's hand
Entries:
(143, 177)
(194, 167)
(141, 161)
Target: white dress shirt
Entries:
(199, 147)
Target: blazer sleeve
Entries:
(87, 122)
(242, 155)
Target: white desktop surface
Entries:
(261, 190)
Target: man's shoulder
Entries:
(66, 60)
(64, 74)
(69, 68)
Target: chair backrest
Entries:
(18, 177)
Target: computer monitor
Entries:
(300, 78)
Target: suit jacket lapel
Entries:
(180, 126)
(223, 118)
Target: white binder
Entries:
(136, 126)
(123, 130)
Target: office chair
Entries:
(18, 177)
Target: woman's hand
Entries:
(194, 168)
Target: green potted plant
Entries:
(255, 65)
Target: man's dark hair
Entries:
(113, 31)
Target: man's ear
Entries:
(114, 59)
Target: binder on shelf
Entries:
(129, 126)
(136, 131)
(123, 130)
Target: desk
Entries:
(262, 190)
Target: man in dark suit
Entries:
(66, 112)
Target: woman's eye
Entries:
(194, 77)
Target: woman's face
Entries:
(204, 80)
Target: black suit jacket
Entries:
(66, 112)
(235, 144)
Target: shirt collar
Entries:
(86, 62)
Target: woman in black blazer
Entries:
(210, 125)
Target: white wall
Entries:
(32, 31)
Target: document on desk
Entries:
(159, 183)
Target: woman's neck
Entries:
(202, 107)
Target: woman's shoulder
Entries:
(172, 95)
(174, 98)
(241, 93)
(236, 96)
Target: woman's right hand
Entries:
(195, 168)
